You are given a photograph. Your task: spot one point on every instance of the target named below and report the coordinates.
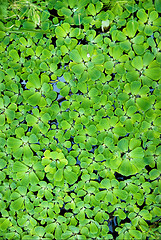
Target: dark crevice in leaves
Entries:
(112, 224)
(121, 177)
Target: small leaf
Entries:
(71, 177)
(78, 68)
(28, 25)
(123, 145)
(2, 119)
(93, 228)
(121, 214)
(4, 225)
(137, 62)
(17, 204)
(66, 235)
(127, 168)
(135, 233)
(14, 54)
(94, 74)
(19, 167)
(75, 56)
(143, 103)
(157, 4)
(13, 142)
(137, 153)
(98, 59)
(34, 99)
(40, 231)
(65, 91)
(60, 32)
(131, 28)
(33, 81)
(58, 176)
(154, 173)
(122, 194)
(91, 9)
(153, 73)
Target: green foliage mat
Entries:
(82, 154)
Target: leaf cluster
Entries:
(80, 121)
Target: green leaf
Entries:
(154, 173)
(58, 176)
(157, 4)
(94, 74)
(31, 120)
(121, 131)
(65, 125)
(33, 81)
(127, 168)
(2, 119)
(75, 56)
(58, 232)
(134, 142)
(45, 118)
(48, 195)
(65, 91)
(98, 59)
(60, 32)
(117, 52)
(143, 103)
(123, 144)
(131, 28)
(17, 204)
(66, 235)
(157, 122)
(139, 49)
(135, 233)
(4, 224)
(141, 14)
(84, 231)
(10, 114)
(147, 58)
(125, 45)
(3, 163)
(78, 68)
(19, 167)
(66, 11)
(137, 153)
(137, 62)
(122, 194)
(13, 142)
(145, 214)
(71, 177)
(91, 9)
(40, 231)
(153, 73)
(33, 178)
(121, 214)
(14, 54)
(93, 228)
(34, 99)
(28, 25)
